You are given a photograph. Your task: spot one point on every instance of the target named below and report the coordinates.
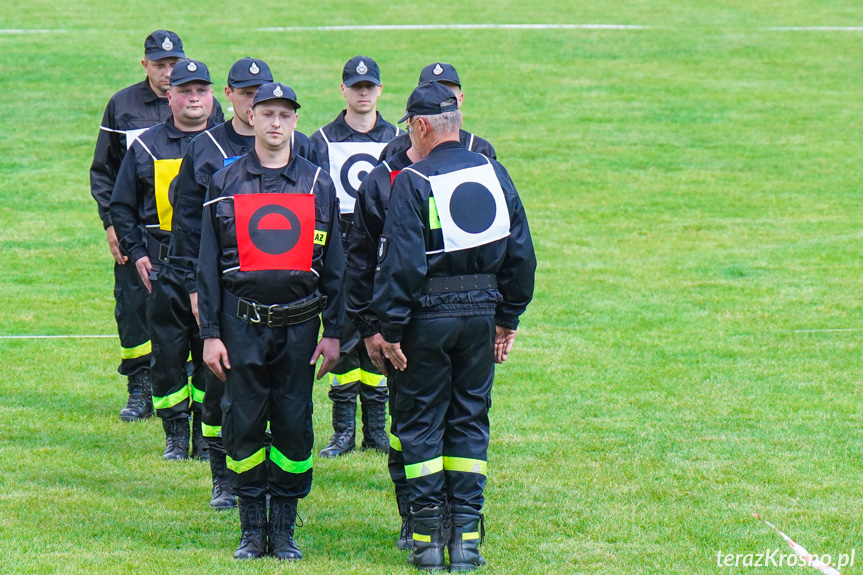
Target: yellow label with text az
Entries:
(320, 238)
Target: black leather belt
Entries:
(163, 252)
(278, 315)
(346, 224)
(460, 283)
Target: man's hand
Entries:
(374, 346)
(114, 246)
(329, 348)
(216, 356)
(193, 299)
(144, 266)
(393, 352)
(503, 340)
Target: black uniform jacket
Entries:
(131, 108)
(133, 201)
(339, 131)
(470, 141)
(219, 260)
(405, 264)
(209, 153)
(373, 200)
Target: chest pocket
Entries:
(165, 172)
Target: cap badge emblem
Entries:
(192, 67)
(167, 45)
(438, 70)
(362, 68)
(254, 69)
(278, 92)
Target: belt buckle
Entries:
(274, 316)
(245, 313)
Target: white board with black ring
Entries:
(471, 207)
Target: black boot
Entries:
(176, 438)
(223, 496)
(468, 532)
(344, 425)
(428, 543)
(200, 446)
(375, 419)
(253, 523)
(280, 527)
(140, 403)
(406, 537)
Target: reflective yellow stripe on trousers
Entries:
(465, 465)
(170, 401)
(248, 463)
(135, 352)
(289, 465)
(424, 468)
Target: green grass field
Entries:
(694, 193)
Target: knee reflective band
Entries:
(345, 378)
(211, 430)
(424, 468)
(394, 442)
(465, 465)
(170, 401)
(135, 352)
(372, 379)
(197, 394)
(289, 465)
(248, 463)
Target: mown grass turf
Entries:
(693, 191)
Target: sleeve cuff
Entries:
(507, 322)
(393, 335)
(137, 253)
(368, 327)
(210, 331)
(333, 331)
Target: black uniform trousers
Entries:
(130, 311)
(354, 373)
(395, 458)
(270, 380)
(442, 408)
(175, 335)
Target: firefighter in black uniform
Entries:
(444, 74)
(348, 148)
(456, 270)
(214, 150)
(270, 261)
(129, 112)
(373, 198)
(141, 211)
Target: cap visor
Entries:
(357, 79)
(247, 83)
(295, 104)
(406, 116)
(182, 81)
(162, 54)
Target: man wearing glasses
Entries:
(455, 271)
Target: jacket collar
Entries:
(253, 165)
(342, 132)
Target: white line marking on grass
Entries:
(13, 31)
(458, 27)
(52, 336)
(824, 330)
(819, 28)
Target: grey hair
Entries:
(446, 122)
